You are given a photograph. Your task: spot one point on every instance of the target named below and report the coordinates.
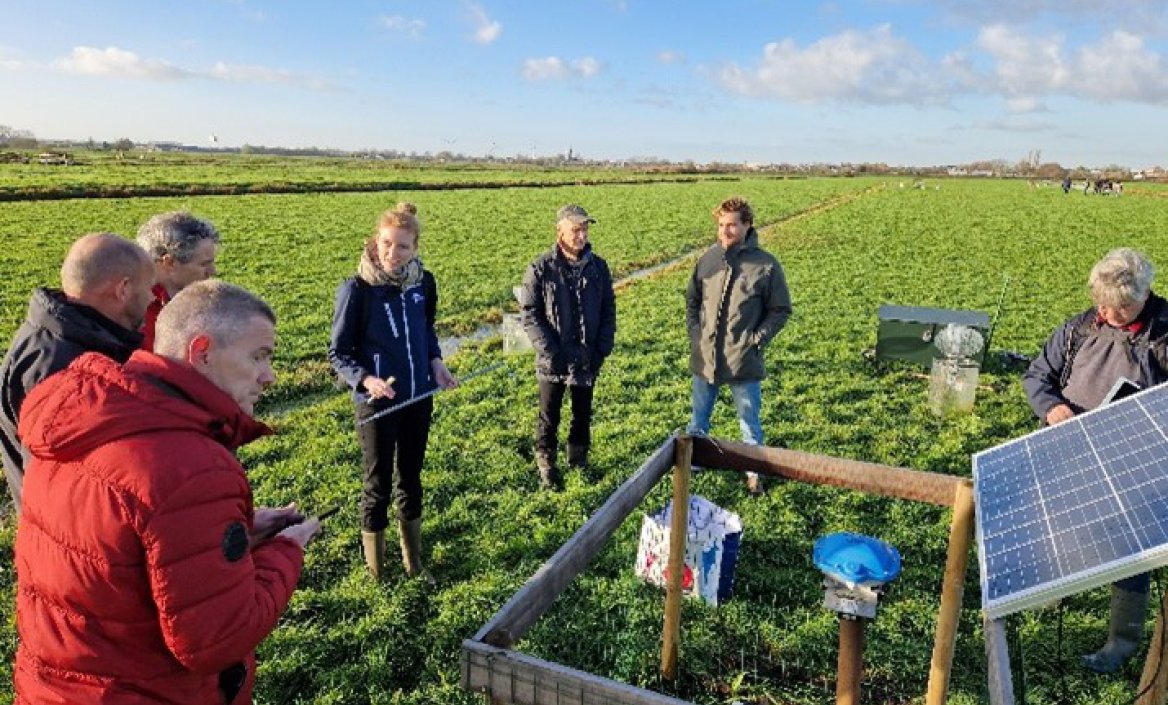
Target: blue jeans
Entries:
(747, 404)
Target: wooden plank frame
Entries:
(490, 666)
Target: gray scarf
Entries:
(370, 271)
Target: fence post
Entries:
(682, 457)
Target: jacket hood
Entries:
(67, 320)
(95, 401)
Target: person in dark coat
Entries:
(105, 289)
(1123, 335)
(569, 313)
(385, 347)
(736, 303)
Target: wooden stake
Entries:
(850, 668)
(998, 676)
(683, 456)
(952, 588)
(1155, 676)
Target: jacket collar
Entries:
(750, 242)
(51, 310)
(96, 401)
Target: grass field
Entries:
(487, 528)
(102, 174)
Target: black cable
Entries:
(1014, 644)
(1058, 654)
(1160, 655)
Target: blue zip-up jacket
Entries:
(386, 332)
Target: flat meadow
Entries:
(847, 246)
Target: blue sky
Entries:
(897, 81)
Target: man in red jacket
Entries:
(143, 572)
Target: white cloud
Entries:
(410, 27)
(1026, 104)
(553, 68)
(10, 60)
(1025, 65)
(868, 67)
(667, 56)
(112, 61)
(242, 73)
(486, 29)
(121, 63)
(586, 67)
(1118, 67)
(1014, 124)
(1121, 68)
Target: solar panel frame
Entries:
(1116, 528)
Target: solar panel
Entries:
(1074, 506)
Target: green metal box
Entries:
(907, 332)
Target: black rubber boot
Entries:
(549, 474)
(577, 456)
(1128, 612)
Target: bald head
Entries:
(98, 259)
(111, 274)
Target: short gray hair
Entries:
(97, 259)
(211, 307)
(1122, 278)
(177, 234)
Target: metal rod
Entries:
(851, 661)
(427, 395)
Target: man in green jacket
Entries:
(736, 302)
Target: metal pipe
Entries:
(851, 661)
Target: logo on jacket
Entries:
(419, 297)
(234, 542)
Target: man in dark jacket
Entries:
(1124, 335)
(736, 302)
(105, 289)
(569, 313)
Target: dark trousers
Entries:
(551, 398)
(393, 449)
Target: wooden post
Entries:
(952, 587)
(850, 668)
(998, 677)
(1154, 680)
(683, 455)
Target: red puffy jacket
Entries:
(135, 579)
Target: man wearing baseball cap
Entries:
(569, 312)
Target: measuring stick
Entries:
(427, 395)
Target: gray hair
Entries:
(97, 259)
(211, 307)
(177, 234)
(1122, 278)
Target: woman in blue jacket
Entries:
(384, 346)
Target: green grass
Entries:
(102, 174)
(487, 528)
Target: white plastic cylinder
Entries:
(952, 386)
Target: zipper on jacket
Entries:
(377, 365)
(409, 348)
(392, 323)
